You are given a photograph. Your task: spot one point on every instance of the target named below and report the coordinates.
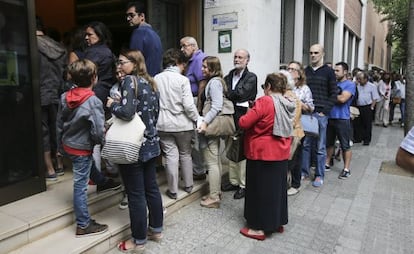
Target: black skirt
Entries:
(265, 206)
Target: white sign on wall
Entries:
(211, 3)
(224, 21)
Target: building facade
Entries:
(274, 31)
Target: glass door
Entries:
(20, 136)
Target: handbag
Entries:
(123, 140)
(295, 144)
(223, 123)
(235, 151)
(310, 125)
(396, 100)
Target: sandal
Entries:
(136, 249)
(60, 171)
(156, 237)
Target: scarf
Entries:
(284, 116)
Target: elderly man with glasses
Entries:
(241, 89)
(195, 56)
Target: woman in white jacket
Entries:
(176, 121)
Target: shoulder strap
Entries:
(135, 81)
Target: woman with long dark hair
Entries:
(214, 92)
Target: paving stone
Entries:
(369, 213)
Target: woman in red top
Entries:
(265, 207)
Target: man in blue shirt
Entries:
(339, 124)
(144, 38)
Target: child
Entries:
(80, 126)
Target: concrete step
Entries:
(64, 240)
(35, 217)
(44, 223)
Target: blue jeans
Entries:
(83, 169)
(321, 151)
(402, 109)
(142, 190)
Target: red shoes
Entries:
(281, 229)
(136, 249)
(260, 237)
(245, 232)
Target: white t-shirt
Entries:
(408, 142)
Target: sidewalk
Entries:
(371, 212)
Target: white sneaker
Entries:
(124, 203)
(292, 191)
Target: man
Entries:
(321, 80)
(241, 88)
(144, 38)
(52, 60)
(367, 98)
(339, 124)
(405, 153)
(190, 49)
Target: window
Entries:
(287, 31)
(329, 37)
(310, 28)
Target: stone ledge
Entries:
(390, 167)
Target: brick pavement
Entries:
(371, 212)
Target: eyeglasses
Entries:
(123, 62)
(263, 86)
(292, 69)
(130, 15)
(185, 45)
(314, 52)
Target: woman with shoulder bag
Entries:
(210, 145)
(304, 95)
(139, 95)
(268, 129)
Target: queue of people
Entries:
(170, 99)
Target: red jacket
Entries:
(259, 141)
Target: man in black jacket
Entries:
(52, 60)
(241, 89)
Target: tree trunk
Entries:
(409, 96)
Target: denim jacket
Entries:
(146, 104)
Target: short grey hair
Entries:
(290, 82)
(190, 40)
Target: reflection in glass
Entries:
(17, 127)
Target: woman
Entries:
(139, 94)
(383, 105)
(268, 127)
(97, 49)
(304, 95)
(214, 92)
(178, 114)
